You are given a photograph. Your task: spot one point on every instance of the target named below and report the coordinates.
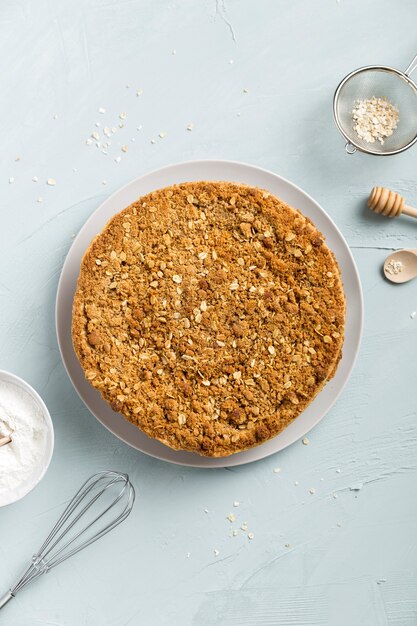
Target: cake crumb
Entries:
(306, 441)
(51, 182)
(236, 503)
(312, 491)
(277, 470)
(251, 536)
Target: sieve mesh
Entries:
(380, 82)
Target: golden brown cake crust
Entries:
(209, 314)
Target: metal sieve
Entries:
(381, 82)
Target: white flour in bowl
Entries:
(21, 418)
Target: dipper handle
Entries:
(389, 203)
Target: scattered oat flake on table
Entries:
(162, 134)
(277, 470)
(40, 199)
(246, 90)
(234, 533)
(139, 92)
(296, 483)
(101, 110)
(231, 517)
(190, 126)
(288, 545)
(17, 158)
(413, 314)
(153, 141)
(122, 116)
(35, 179)
(312, 491)
(251, 536)
(88, 142)
(236, 503)
(124, 148)
(51, 182)
(95, 136)
(216, 553)
(244, 526)
(374, 119)
(306, 441)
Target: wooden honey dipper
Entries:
(389, 203)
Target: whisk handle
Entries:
(4, 600)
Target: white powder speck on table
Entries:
(23, 421)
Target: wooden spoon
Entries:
(4, 441)
(401, 266)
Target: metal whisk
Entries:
(105, 499)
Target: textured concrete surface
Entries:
(315, 559)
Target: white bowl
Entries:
(40, 471)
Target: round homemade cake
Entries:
(209, 314)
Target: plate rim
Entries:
(234, 459)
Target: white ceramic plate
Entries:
(210, 170)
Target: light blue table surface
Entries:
(338, 557)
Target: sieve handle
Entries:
(413, 65)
